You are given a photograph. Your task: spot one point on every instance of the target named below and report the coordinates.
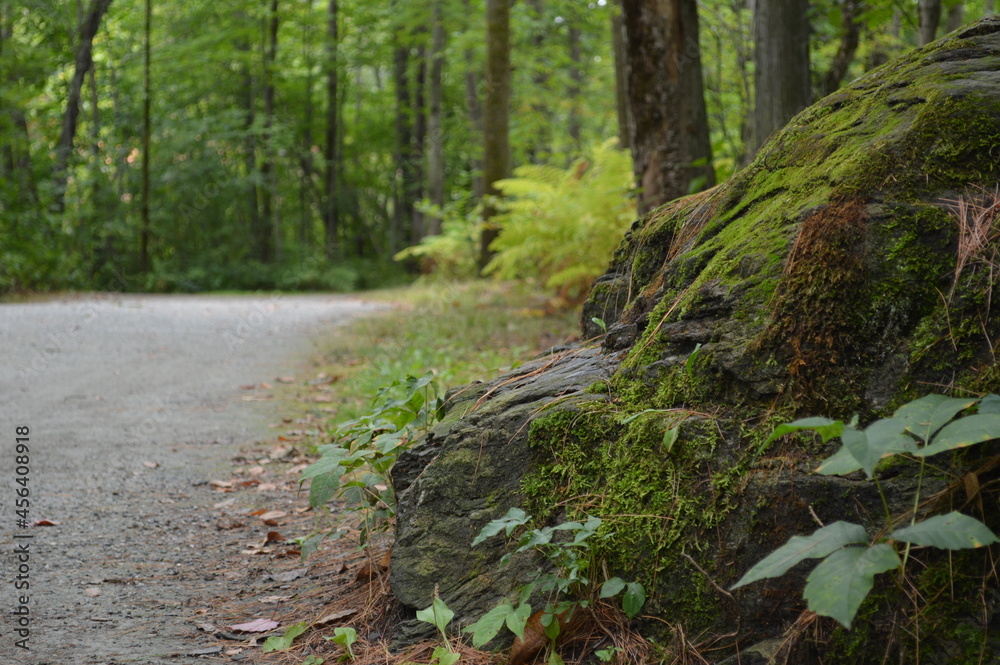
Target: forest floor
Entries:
(166, 437)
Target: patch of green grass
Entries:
(460, 331)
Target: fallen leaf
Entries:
(335, 616)
(272, 515)
(224, 504)
(92, 592)
(256, 470)
(273, 537)
(255, 626)
(45, 523)
(285, 379)
(233, 652)
(275, 599)
(265, 386)
(229, 523)
(221, 483)
(266, 487)
(289, 575)
(289, 554)
(250, 386)
(248, 483)
(207, 627)
(151, 465)
(298, 468)
(319, 399)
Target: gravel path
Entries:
(110, 386)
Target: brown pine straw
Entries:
(976, 214)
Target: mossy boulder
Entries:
(823, 279)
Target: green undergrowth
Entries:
(458, 331)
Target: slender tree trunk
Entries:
(622, 101)
(989, 8)
(305, 187)
(419, 139)
(475, 115)
(84, 60)
(269, 238)
(930, 18)
(955, 18)
(496, 117)
(403, 208)
(849, 39)
(781, 52)
(435, 138)
(540, 143)
(575, 88)
(672, 154)
(147, 130)
(332, 223)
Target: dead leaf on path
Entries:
(222, 484)
(303, 509)
(256, 470)
(92, 592)
(255, 626)
(272, 515)
(207, 651)
(288, 554)
(279, 451)
(289, 575)
(233, 652)
(266, 487)
(273, 537)
(248, 483)
(298, 468)
(250, 386)
(224, 504)
(151, 465)
(334, 617)
(265, 385)
(257, 397)
(229, 523)
(275, 599)
(45, 523)
(321, 399)
(206, 627)
(285, 379)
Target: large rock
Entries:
(822, 279)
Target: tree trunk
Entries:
(955, 18)
(419, 140)
(403, 208)
(269, 238)
(496, 117)
(781, 52)
(575, 89)
(147, 120)
(475, 114)
(306, 159)
(330, 217)
(622, 101)
(930, 18)
(539, 145)
(84, 60)
(850, 10)
(672, 154)
(435, 154)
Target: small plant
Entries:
(918, 430)
(358, 466)
(439, 616)
(284, 642)
(569, 587)
(345, 636)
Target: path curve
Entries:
(109, 385)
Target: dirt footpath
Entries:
(132, 405)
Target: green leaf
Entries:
(990, 404)
(328, 463)
(555, 659)
(552, 627)
(612, 587)
(856, 442)
(323, 488)
(345, 636)
(689, 363)
(313, 660)
(634, 599)
(839, 584)
(606, 655)
(819, 544)
(953, 531)
(825, 427)
(488, 625)
(840, 463)
(964, 432)
(670, 438)
(517, 620)
(930, 413)
(444, 656)
(514, 518)
(283, 642)
(437, 615)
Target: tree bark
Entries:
(83, 62)
(955, 19)
(403, 208)
(435, 138)
(419, 139)
(575, 88)
(306, 159)
(849, 39)
(330, 216)
(475, 114)
(496, 117)
(269, 237)
(930, 18)
(671, 150)
(147, 129)
(622, 101)
(781, 52)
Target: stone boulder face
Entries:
(836, 275)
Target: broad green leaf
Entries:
(930, 413)
(313, 660)
(488, 625)
(437, 615)
(670, 438)
(328, 463)
(283, 642)
(887, 437)
(819, 544)
(689, 363)
(825, 427)
(840, 463)
(839, 584)
(555, 659)
(322, 488)
(990, 404)
(445, 657)
(856, 442)
(612, 587)
(953, 531)
(518, 619)
(634, 599)
(552, 626)
(514, 518)
(964, 432)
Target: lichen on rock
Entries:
(821, 279)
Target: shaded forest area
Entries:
(161, 145)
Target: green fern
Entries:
(562, 226)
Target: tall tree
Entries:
(671, 150)
(147, 130)
(403, 207)
(435, 138)
(850, 38)
(330, 217)
(83, 62)
(269, 237)
(623, 104)
(496, 117)
(781, 53)
(930, 18)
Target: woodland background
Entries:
(188, 146)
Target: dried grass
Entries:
(976, 214)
